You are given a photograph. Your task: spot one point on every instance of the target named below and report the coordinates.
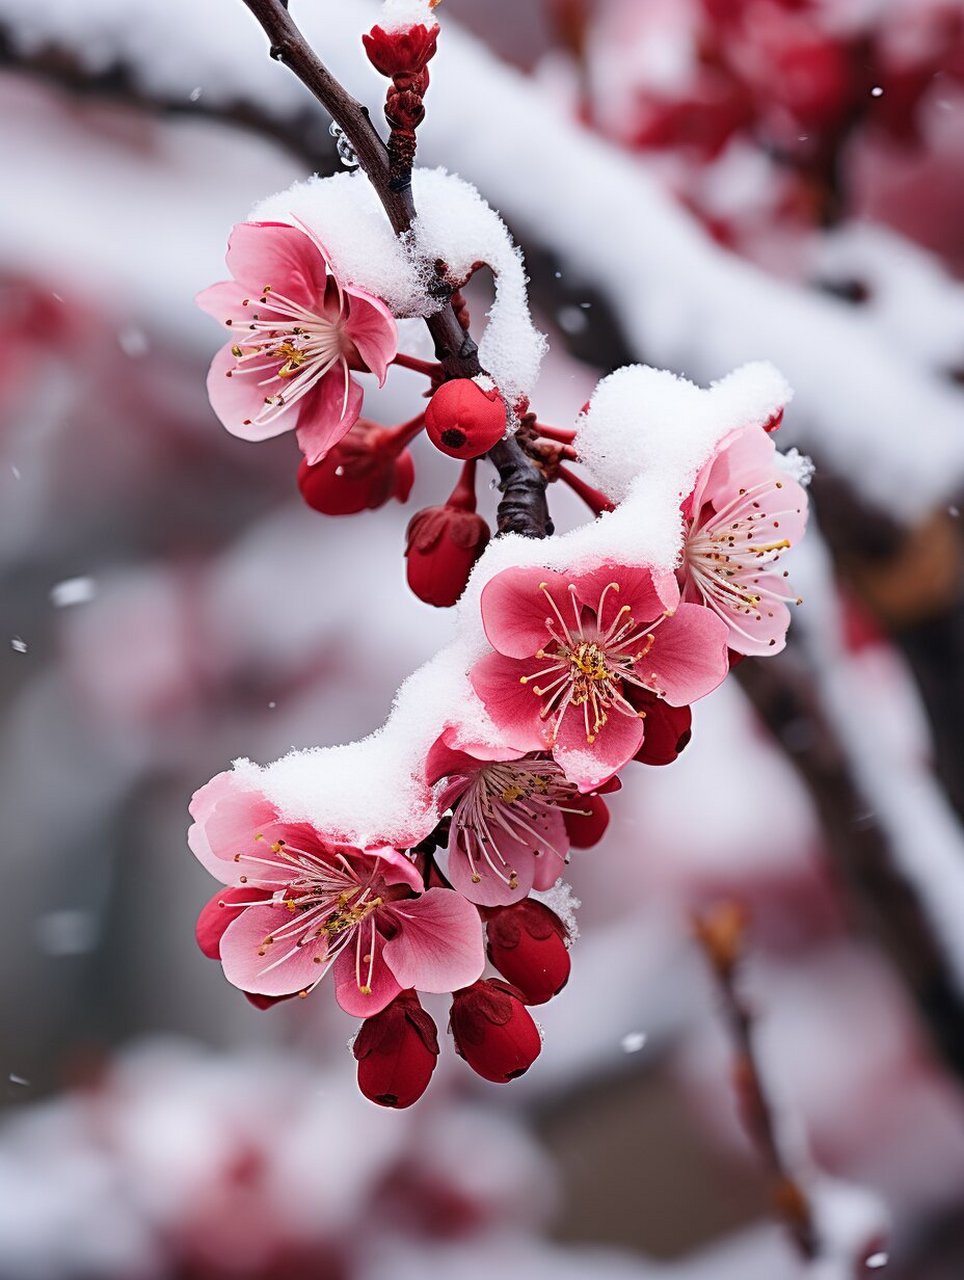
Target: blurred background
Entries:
(695, 183)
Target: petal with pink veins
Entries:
(237, 398)
(689, 657)
(371, 327)
(325, 415)
(271, 968)
(515, 609)
(589, 765)
(439, 945)
(513, 706)
(279, 255)
(350, 980)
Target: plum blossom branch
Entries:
(523, 508)
(721, 932)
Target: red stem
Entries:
(554, 433)
(431, 368)
(463, 495)
(396, 438)
(596, 501)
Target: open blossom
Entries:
(743, 513)
(297, 333)
(322, 904)
(569, 651)
(509, 831)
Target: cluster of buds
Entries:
(403, 56)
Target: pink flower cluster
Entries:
(586, 672)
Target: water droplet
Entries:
(876, 91)
(557, 274)
(72, 591)
(195, 93)
(18, 645)
(14, 1079)
(633, 1042)
(272, 705)
(878, 1260)
(346, 152)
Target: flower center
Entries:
(733, 549)
(510, 803)
(292, 348)
(590, 662)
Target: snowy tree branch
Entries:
(523, 508)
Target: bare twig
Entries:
(721, 932)
(523, 508)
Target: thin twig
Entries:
(523, 508)
(721, 932)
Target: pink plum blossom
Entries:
(297, 332)
(569, 650)
(743, 513)
(321, 904)
(509, 831)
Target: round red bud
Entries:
(443, 543)
(396, 1051)
(463, 420)
(527, 944)
(493, 1030)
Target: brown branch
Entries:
(781, 690)
(721, 932)
(523, 508)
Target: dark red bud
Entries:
(587, 826)
(396, 1051)
(443, 543)
(527, 944)
(362, 472)
(666, 729)
(400, 53)
(463, 420)
(493, 1030)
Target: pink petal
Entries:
(590, 765)
(371, 326)
(397, 869)
(223, 301)
(384, 988)
(227, 817)
(238, 399)
(275, 254)
(439, 945)
(765, 630)
(324, 416)
(279, 968)
(514, 609)
(689, 656)
(647, 593)
(218, 913)
(492, 890)
(513, 706)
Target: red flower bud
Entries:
(463, 420)
(396, 1051)
(399, 53)
(666, 729)
(493, 1030)
(361, 472)
(443, 545)
(588, 826)
(527, 944)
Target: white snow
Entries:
(397, 15)
(454, 225)
(372, 790)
